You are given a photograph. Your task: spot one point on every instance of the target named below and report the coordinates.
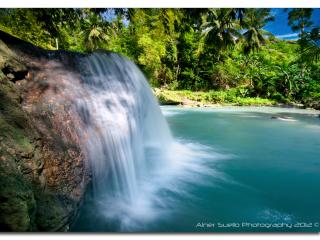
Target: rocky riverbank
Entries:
(43, 173)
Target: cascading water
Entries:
(125, 126)
(132, 155)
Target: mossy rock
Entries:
(52, 213)
(35, 194)
(17, 203)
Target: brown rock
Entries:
(42, 171)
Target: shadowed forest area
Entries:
(203, 55)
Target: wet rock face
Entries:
(43, 173)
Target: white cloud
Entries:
(290, 35)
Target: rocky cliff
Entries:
(43, 173)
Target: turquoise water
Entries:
(264, 174)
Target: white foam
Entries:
(136, 164)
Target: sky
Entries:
(280, 27)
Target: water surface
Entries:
(258, 170)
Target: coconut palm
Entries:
(220, 28)
(311, 50)
(96, 31)
(299, 19)
(254, 35)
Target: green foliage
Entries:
(311, 46)
(299, 19)
(24, 24)
(255, 20)
(95, 31)
(220, 28)
(229, 97)
(222, 52)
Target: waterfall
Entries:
(129, 147)
(124, 124)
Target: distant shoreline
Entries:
(185, 98)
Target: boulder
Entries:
(43, 173)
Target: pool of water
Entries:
(262, 174)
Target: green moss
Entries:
(25, 203)
(17, 203)
(56, 218)
(22, 141)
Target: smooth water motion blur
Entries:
(132, 155)
(235, 168)
(124, 123)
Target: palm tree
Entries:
(220, 28)
(299, 19)
(311, 51)
(254, 35)
(96, 31)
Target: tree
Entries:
(56, 19)
(254, 21)
(95, 31)
(299, 19)
(23, 24)
(311, 52)
(48, 28)
(220, 28)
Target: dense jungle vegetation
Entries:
(207, 55)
